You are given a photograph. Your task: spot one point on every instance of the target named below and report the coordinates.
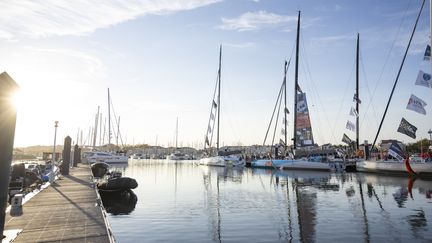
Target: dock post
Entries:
(7, 131)
(64, 169)
(76, 155)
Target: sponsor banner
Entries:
(407, 128)
(416, 104)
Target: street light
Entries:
(51, 178)
(430, 136)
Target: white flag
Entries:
(424, 79)
(416, 104)
(351, 126)
(353, 112)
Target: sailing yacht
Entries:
(106, 156)
(402, 164)
(177, 155)
(302, 128)
(219, 158)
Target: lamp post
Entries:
(51, 178)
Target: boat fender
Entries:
(408, 167)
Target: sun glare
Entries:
(16, 99)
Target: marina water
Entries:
(183, 202)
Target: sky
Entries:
(160, 59)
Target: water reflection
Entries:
(188, 203)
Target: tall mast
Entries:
(285, 107)
(95, 129)
(219, 91)
(109, 119)
(357, 92)
(176, 133)
(296, 82)
(397, 77)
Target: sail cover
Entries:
(303, 124)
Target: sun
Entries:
(17, 99)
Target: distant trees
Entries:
(416, 147)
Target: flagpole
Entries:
(219, 105)
(285, 108)
(296, 83)
(357, 92)
(397, 77)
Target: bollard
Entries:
(64, 169)
(79, 155)
(76, 156)
(7, 131)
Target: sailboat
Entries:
(302, 127)
(107, 156)
(177, 155)
(219, 158)
(401, 163)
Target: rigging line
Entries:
(274, 110)
(211, 112)
(387, 58)
(281, 90)
(314, 85)
(367, 87)
(343, 98)
(313, 98)
(116, 123)
(275, 127)
(397, 77)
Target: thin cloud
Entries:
(93, 62)
(43, 18)
(333, 8)
(256, 21)
(240, 45)
(333, 39)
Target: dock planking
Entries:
(66, 211)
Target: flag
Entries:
(350, 126)
(396, 151)
(281, 142)
(416, 104)
(406, 128)
(286, 110)
(424, 79)
(299, 89)
(214, 104)
(427, 54)
(356, 99)
(283, 131)
(207, 141)
(209, 129)
(353, 112)
(212, 116)
(346, 139)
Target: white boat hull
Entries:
(222, 161)
(391, 166)
(291, 165)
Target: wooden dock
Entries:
(66, 211)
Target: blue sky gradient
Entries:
(160, 60)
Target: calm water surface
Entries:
(182, 202)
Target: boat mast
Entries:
(218, 103)
(397, 77)
(285, 107)
(430, 26)
(109, 120)
(176, 133)
(296, 82)
(95, 129)
(357, 91)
